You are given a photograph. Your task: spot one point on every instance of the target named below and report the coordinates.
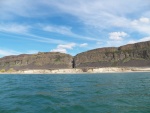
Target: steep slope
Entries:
(131, 55)
(47, 60)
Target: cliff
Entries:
(47, 60)
(131, 55)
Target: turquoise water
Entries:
(81, 93)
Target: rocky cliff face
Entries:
(49, 60)
(131, 55)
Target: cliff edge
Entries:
(131, 55)
(47, 60)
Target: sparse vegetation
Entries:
(11, 70)
(2, 70)
(126, 60)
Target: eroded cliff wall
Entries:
(131, 55)
(47, 60)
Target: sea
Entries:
(75, 93)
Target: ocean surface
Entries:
(75, 93)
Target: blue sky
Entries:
(71, 26)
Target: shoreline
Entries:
(82, 70)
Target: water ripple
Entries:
(86, 93)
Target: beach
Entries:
(81, 70)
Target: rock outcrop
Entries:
(131, 55)
(47, 60)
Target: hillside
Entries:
(131, 55)
(47, 60)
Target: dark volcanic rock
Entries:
(131, 55)
(47, 60)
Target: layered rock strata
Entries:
(47, 60)
(131, 55)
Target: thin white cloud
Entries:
(83, 45)
(23, 32)
(32, 52)
(144, 20)
(141, 25)
(61, 50)
(7, 52)
(113, 43)
(99, 43)
(58, 29)
(97, 13)
(29, 7)
(10, 9)
(141, 21)
(14, 28)
(144, 39)
(44, 39)
(67, 46)
(66, 31)
(64, 47)
(100, 13)
(117, 36)
(139, 40)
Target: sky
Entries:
(71, 26)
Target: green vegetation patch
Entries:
(126, 60)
